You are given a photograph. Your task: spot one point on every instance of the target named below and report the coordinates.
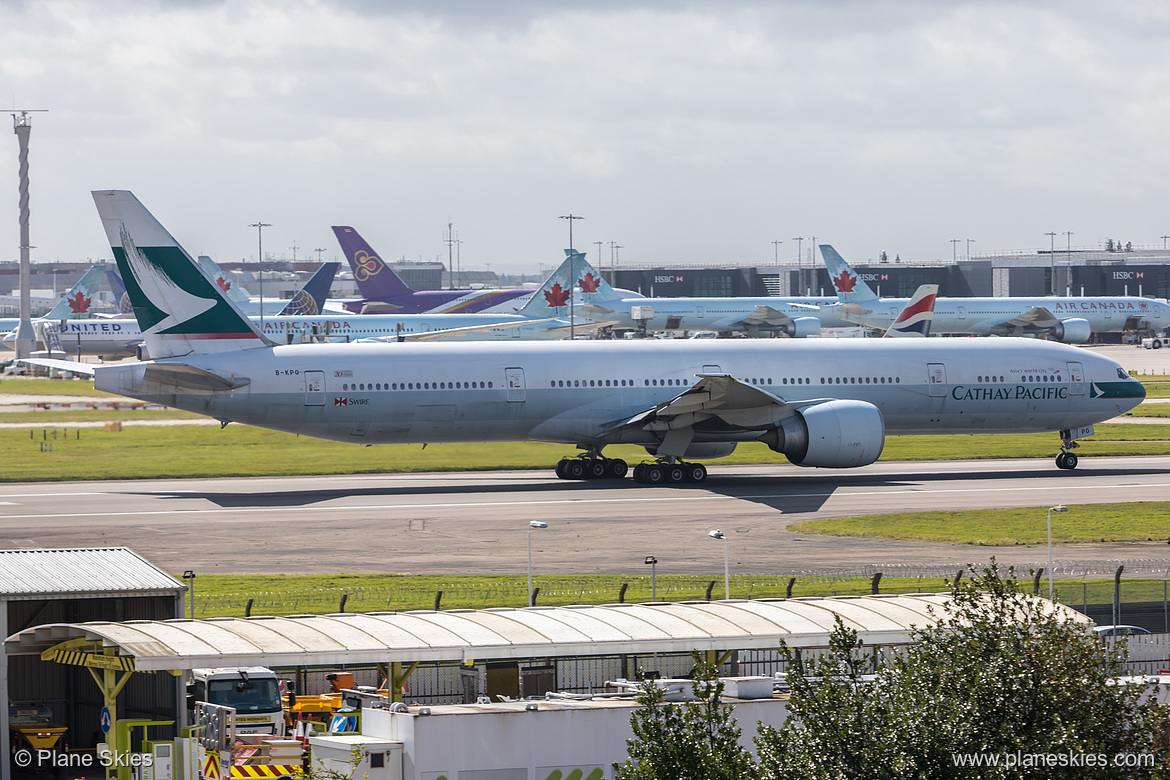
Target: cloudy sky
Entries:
(686, 132)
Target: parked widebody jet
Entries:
(75, 304)
(826, 403)
(1071, 319)
(384, 292)
(796, 317)
(915, 319)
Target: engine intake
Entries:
(835, 434)
(1072, 331)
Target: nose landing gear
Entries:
(1067, 459)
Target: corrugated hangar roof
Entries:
(460, 635)
(94, 572)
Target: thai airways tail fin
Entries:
(235, 293)
(310, 299)
(375, 280)
(850, 287)
(552, 299)
(121, 297)
(80, 298)
(179, 309)
(916, 316)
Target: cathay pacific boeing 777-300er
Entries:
(827, 403)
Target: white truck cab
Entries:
(254, 693)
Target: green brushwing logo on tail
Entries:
(172, 297)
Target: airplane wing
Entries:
(717, 402)
(1037, 318)
(765, 317)
(63, 365)
(436, 335)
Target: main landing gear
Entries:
(591, 468)
(1067, 459)
(662, 471)
(659, 472)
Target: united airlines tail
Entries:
(121, 297)
(78, 300)
(914, 321)
(310, 299)
(374, 278)
(552, 299)
(179, 309)
(849, 286)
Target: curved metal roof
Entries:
(460, 635)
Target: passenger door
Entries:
(314, 388)
(514, 381)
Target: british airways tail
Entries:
(850, 287)
(179, 309)
(552, 299)
(915, 318)
(310, 299)
(374, 278)
(79, 299)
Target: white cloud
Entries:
(686, 132)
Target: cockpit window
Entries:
(1121, 374)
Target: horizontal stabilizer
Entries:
(62, 365)
(191, 377)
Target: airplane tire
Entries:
(596, 469)
(616, 469)
(640, 473)
(1070, 460)
(1060, 460)
(574, 469)
(561, 469)
(675, 473)
(653, 474)
(696, 472)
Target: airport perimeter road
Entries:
(478, 523)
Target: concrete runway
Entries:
(478, 523)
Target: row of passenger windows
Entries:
(665, 382)
(360, 386)
(861, 380)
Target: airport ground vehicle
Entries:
(1156, 342)
(31, 728)
(254, 693)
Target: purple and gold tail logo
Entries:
(366, 265)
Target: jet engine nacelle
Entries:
(703, 450)
(802, 327)
(1072, 331)
(835, 434)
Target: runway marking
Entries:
(1065, 488)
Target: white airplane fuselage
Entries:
(983, 316)
(719, 314)
(573, 392)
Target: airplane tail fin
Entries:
(552, 299)
(80, 298)
(915, 317)
(234, 292)
(121, 297)
(849, 286)
(310, 299)
(179, 309)
(375, 280)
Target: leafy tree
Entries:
(998, 674)
(692, 740)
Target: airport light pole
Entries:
(954, 250)
(717, 534)
(22, 126)
(1051, 255)
(799, 262)
(777, 245)
(532, 524)
(1057, 508)
(652, 562)
(572, 276)
(969, 242)
(260, 254)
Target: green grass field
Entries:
(227, 595)
(1127, 522)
